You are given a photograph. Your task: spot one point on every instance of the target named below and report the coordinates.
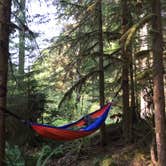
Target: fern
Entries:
(47, 153)
(14, 156)
(45, 150)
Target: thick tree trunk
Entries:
(5, 7)
(101, 68)
(158, 89)
(127, 118)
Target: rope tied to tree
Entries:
(5, 112)
(116, 94)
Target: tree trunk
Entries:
(127, 119)
(153, 154)
(21, 17)
(101, 68)
(132, 87)
(5, 9)
(146, 100)
(158, 89)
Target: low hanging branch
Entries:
(127, 37)
(80, 82)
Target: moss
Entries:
(108, 162)
(126, 157)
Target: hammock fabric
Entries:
(67, 133)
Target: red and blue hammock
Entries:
(67, 133)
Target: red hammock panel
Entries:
(60, 134)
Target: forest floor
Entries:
(115, 153)
(111, 155)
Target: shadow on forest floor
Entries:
(115, 153)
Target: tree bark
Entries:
(5, 10)
(127, 121)
(101, 69)
(132, 87)
(158, 83)
(22, 17)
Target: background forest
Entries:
(96, 52)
